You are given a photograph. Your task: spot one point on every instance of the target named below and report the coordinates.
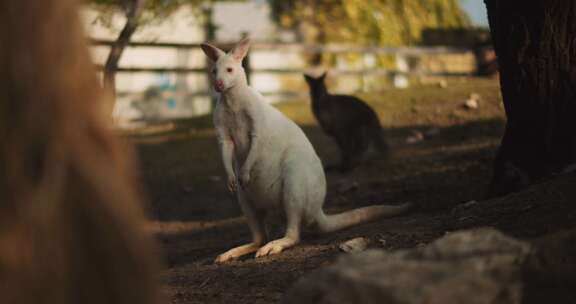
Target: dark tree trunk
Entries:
(133, 9)
(536, 47)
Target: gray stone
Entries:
(479, 266)
(416, 136)
(355, 245)
(473, 102)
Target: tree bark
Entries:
(536, 49)
(133, 10)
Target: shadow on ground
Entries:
(185, 182)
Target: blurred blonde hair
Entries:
(71, 224)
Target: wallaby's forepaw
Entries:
(232, 184)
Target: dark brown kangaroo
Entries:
(353, 124)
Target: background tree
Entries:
(137, 12)
(536, 49)
(373, 22)
(132, 10)
(376, 22)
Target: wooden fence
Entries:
(400, 54)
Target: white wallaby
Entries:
(270, 163)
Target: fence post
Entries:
(402, 69)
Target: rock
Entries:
(473, 102)
(416, 136)
(355, 245)
(554, 258)
(480, 266)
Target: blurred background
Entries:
(367, 47)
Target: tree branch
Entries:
(133, 9)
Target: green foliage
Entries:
(152, 10)
(369, 22)
(155, 6)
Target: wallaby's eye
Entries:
(229, 70)
(214, 71)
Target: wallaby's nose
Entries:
(219, 85)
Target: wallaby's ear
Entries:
(212, 52)
(323, 76)
(240, 49)
(308, 78)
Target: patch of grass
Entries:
(425, 105)
(419, 105)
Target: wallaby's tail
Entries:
(334, 222)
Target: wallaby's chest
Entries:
(236, 123)
(337, 113)
(325, 114)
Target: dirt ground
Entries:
(196, 219)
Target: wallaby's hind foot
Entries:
(276, 246)
(236, 252)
